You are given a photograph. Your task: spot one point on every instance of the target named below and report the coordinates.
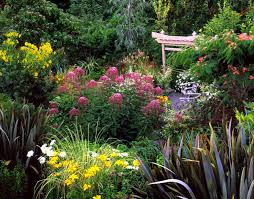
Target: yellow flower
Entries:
(71, 179)
(57, 165)
(10, 42)
(136, 163)
(122, 163)
(91, 171)
(114, 154)
(97, 197)
(102, 157)
(4, 56)
(86, 187)
(107, 164)
(36, 74)
(53, 160)
(72, 167)
(12, 34)
(163, 99)
(73, 176)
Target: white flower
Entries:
(115, 150)
(52, 142)
(42, 160)
(49, 151)
(93, 154)
(123, 155)
(132, 167)
(194, 34)
(215, 37)
(62, 154)
(44, 148)
(30, 153)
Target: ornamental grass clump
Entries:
(79, 169)
(120, 106)
(199, 167)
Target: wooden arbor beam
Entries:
(171, 43)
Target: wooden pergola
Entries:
(172, 43)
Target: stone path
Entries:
(175, 99)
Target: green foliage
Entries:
(225, 59)
(43, 21)
(124, 119)
(21, 129)
(25, 70)
(221, 167)
(110, 172)
(146, 149)
(161, 9)
(131, 20)
(248, 21)
(11, 181)
(226, 20)
(246, 120)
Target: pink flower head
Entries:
(148, 88)
(153, 108)
(79, 71)
(244, 69)
(83, 101)
(119, 79)
(148, 79)
(91, 84)
(63, 88)
(104, 79)
(112, 72)
(70, 76)
(133, 76)
(158, 91)
(74, 112)
(53, 111)
(244, 37)
(77, 86)
(116, 99)
(53, 104)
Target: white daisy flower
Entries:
(30, 153)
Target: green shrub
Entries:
(25, 69)
(116, 106)
(11, 180)
(146, 149)
(221, 167)
(246, 120)
(226, 20)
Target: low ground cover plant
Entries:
(121, 106)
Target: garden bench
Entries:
(172, 43)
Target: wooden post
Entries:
(163, 58)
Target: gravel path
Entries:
(175, 99)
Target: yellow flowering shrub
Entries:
(89, 174)
(25, 68)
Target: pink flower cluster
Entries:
(153, 108)
(91, 84)
(72, 81)
(142, 86)
(116, 99)
(53, 108)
